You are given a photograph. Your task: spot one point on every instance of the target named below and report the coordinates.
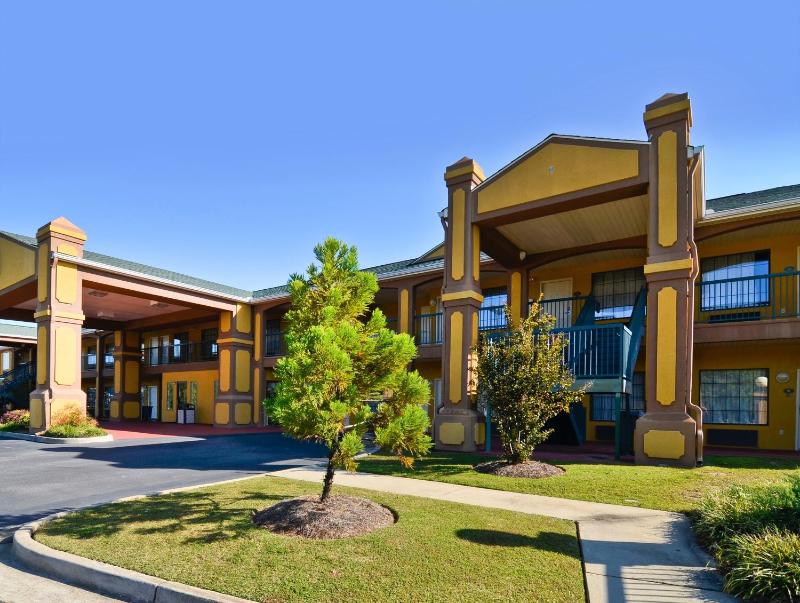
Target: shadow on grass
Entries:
(543, 541)
(205, 517)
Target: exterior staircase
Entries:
(16, 385)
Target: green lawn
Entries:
(437, 551)
(664, 488)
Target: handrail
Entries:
(751, 277)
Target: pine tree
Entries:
(340, 354)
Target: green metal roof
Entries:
(17, 330)
(779, 194)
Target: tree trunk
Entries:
(327, 484)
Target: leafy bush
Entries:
(70, 422)
(15, 420)
(754, 533)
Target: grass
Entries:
(437, 551)
(665, 488)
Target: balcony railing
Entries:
(566, 310)
(428, 328)
(748, 298)
(492, 318)
(275, 343)
(594, 351)
(180, 353)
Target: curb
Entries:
(104, 578)
(10, 435)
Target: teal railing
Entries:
(12, 380)
(429, 328)
(746, 298)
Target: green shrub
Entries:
(754, 534)
(86, 430)
(71, 422)
(15, 420)
(763, 567)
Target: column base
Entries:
(666, 438)
(124, 409)
(456, 430)
(43, 406)
(233, 412)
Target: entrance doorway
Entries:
(556, 301)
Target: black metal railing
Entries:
(429, 328)
(492, 318)
(275, 343)
(181, 353)
(748, 298)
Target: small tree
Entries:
(522, 375)
(339, 354)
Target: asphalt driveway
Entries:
(39, 479)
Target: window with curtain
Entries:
(735, 396)
(615, 292)
(731, 281)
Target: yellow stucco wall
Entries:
(204, 412)
(17, 263)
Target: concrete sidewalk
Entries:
(630, 554)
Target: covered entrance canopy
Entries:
(570, 196)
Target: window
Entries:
(209, 347)
(741, 285)
(91, 357)
(170, 396)
(615, 292)
(492, 314)
(6, 362)
(602, 405)
(108, 356)
(735, 396)
(273, 343)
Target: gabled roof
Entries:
(780, 194)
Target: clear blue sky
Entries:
(224, 139)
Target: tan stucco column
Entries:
(456, 423)
(126, 403)
(98, 378)
(667, 434)
(59, 317)
(234, 404)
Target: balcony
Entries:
(748, 298)
(429, 328)
(89, 362)
(275, 343)
(748, 308)
(180, 353)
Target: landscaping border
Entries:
(103, 577)
(10, 435)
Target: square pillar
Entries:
(517, 288)
(126, 404)
(456, 423)
(59, 318)
(258, 367)
(234, 406)
(668, 433)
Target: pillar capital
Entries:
(465, 170)
(668, 108)
(63, 236)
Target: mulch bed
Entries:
(340, 517)
(531, 469)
